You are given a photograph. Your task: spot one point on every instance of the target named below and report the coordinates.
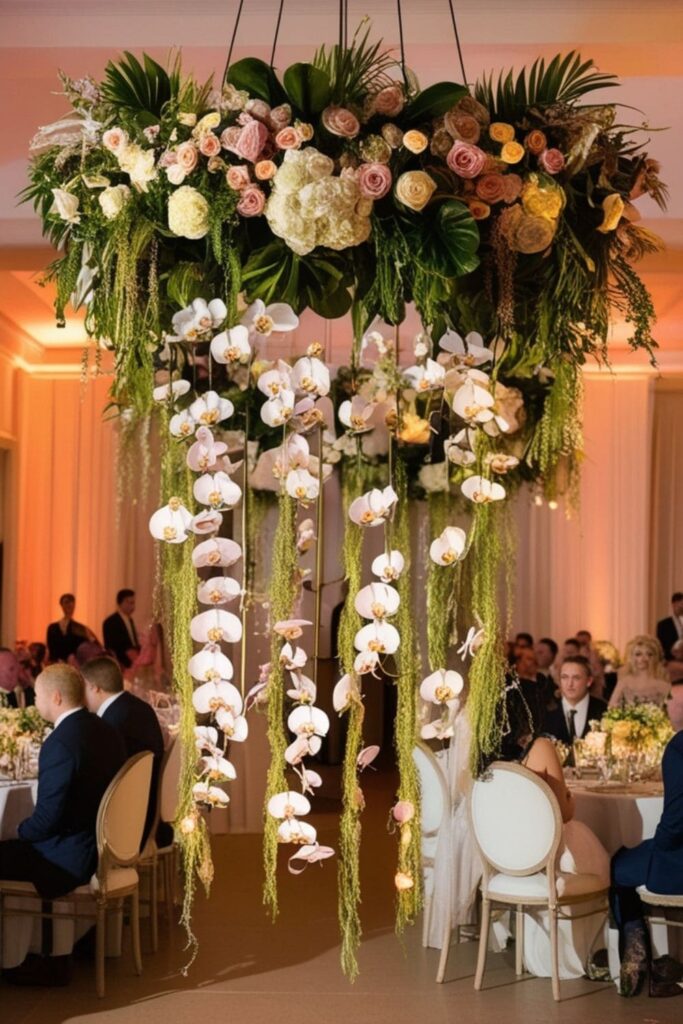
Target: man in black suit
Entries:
(119, 633)
(571, 718)
(56, 848)
(132, 718)
(670, 630)
(64, 636)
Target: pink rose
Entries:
(552, 161)
(186, 156)
(251, 141)
(462, 126)
(258, 109)
(237, 177)
(374, 180)
(280, 117)
(340, 121)
(209, 144)
(288, 138)
(115, 140)
(230, 138)
(389, 101)
(167, 158)
(466, 160)
(252, 202)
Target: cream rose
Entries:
(414, 189)
(112, 200)
(115, 140)
(188, 213)
(415, 142)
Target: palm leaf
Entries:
(355, 70)
(144, 89)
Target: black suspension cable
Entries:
(232, 41)
(400, 37)
(277, 32)
(457, 42)
(346, 24)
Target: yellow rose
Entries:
(207, 123)
(542, 199)
(512, 152)
(415, 141)
(612, 211)
(501, 132)
(414, 430)
(414, 189)
(187, 118)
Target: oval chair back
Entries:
(433, 792)
(122, 813)
(516, 819)
(169, 781)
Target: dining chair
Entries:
(663, 901)
(517, 826)
(119, 828)
(153, 856)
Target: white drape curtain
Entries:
(666, 541)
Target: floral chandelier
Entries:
(195, 223)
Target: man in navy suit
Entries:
(57, 848)
(118, 629)
(132, 718)
(656, 863)
(577, 708)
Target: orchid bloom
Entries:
(311, 376)
(469, 351)
(366, 662)
(174, 389)
(499, 462)
(276, 411)
(303, 690)
(213, 796)
(232, 346)
(208, 521)
(389, 567)
(308, 721)
(216, 626)
(378, 636)
(291, 629)
(219, 551)
(303, 746)
(482, 491)
(209, 665)
(292, 658)
(373, 507)
(182, 424)
(456, 450)
(195, 321)
(205, 452)
(217, 768)
(171, 522)
(272, 382)
(206, 738)
(449, 546)
(235, 727)
(343, 693)
(302, 486)
(426, 377)
(307, 415)
(473, 403)
(471, 643)
(366, 756)
(293, 454)
(215, 696)
(355, 413)
(216, 490)
(210, 408)
(376, 601)
(306, 537)
(261, 320)
(440, 729)
(288, 807)
(310, 853)
(442, 687)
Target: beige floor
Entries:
(252, 972)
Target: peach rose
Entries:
(374, 180)
(491, 188)
(305, 130)
(512, 152)
(415, 142)
(389, 101)
(288, 138)
(237, 177)
(462, 126)
(115, 140)
(209, 145)
(536, 141)
(466, 160)
(552, 161)
(340, 121)
(512, 187)
(186, 156)
(251, 141)
(230, 138)
(265, 170)
(499, 131)
(479, 210)
(252, 202)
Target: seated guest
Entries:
(119, 633)
(658, 864)
(610, 661)
(587, 649)
(9, 678)
(674, 705)
(64, 636)
(571, 719)
(644, 677)
(527, 669)
(570, 648)
(671, 629)
(57, 849)
(674, 666)
(133, 719)
(37, 652)
(86, 652)
(522, 642)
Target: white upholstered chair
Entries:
(517, 826)
(663, 902)
(120, 823)
(153, 856)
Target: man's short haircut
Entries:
(578, 659)
(104, 673)
(526, 637)
(572, 640)
(549, 643)
(123, 594)
(64, 678)
(678, 596)
(585, 632)
(66, 597)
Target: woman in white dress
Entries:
(644, 677)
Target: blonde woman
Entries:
(644, 676)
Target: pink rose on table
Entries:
(237, 177)
(251, 141)
(340, 121)
(288, 138)
(230, 137)
(389, 101)
(466, 160)
(209, 144)
(186, 156)
(280, 117)
(115, 140)
(552, 161)
(252, 202)
(374, 180)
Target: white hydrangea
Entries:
(310, 207)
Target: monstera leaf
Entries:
(308, 88)
(258, 79)
(320, 280)
(448, 245)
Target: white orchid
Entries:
(376, 601)
(469, 351)
(276, 411)
(457, 451)
(206, 738)
(303, 689)
(218, 590)
(217, 768)
(212, 796)
(174, 389)
(272, 382)
(292, 658)
(310, 780)
(311, 376)
(65, 205)
(216, 626)
(235, 727)
(216, 490)
(425, 377)
(449, 546)
(378, 636)
(171, 522)
(182, 424)
(231, 346)
(310, 853)
(442, 687)
(198, 319)
(261, 320)
(209, 666)
(215, 696)
(288, 808)
(219, 551)
(482, 491)
(210, 408)
(440, 729)
(471, 643)
(373, 507)
(205, 452)
(302, 486)
(307, 415)
(355, 413)
(389, 566)
(473, 403)
(344, 693)
(303, 746)
(291, 629)
(293, 454)
(366, 662)
(307, 720)
(306, 536)
(205, 522)
(499, 462)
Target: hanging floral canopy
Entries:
(197, 222)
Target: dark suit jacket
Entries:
(77, 762)
(117, 639)
(665, 872)
(667, 634)
(138, 727)
(556, 723)
(61, 645)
